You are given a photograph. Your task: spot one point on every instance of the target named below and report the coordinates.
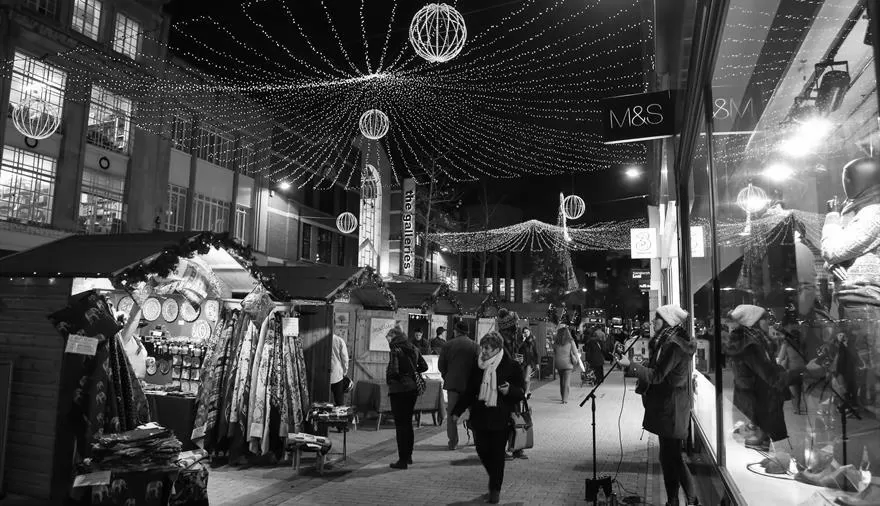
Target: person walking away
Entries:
(492, 397)
(663, 384)
(457, 365)
(404, 363)
(338, 368)
(594, 355)
(564, 350)
(439, 341)
(506, 323)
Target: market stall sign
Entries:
(639, 117)
(408, 226)
(81, 345)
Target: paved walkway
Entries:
(554, 473)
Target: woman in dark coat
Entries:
(528, 348)
(493, 396)
(594, 354)
(405, 361)
(663, 384)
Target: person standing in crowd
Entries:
(492, 397)
(594, 354)
(564, 349)
(338, 368)
(528, 349)
(663, 384)
(421, 342)
(439, 341)
(457, 365)
(506, 323)
(404, 363)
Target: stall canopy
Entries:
(326, 284)
(436, 297)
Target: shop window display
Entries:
(792, 154)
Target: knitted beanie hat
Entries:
(506, 319)
(672, 314)
(747, 315)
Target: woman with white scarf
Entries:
(493, 396)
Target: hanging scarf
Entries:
(489, 386)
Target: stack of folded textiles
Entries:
(144, 448)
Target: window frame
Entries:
(175, 220)
(103, 190)
(111, 105)
(41, 176)
(33, 78)
(92, 29)
(122, 39)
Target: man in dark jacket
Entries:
(457, 362)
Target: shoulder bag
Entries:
(421, 384)
(522, 434)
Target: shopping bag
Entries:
(522, 435)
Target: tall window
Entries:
(109, 120)
(181, 133)
(32, 78)
(209, 214)
(340, 249)
(247, 162)
(215, 147)
(127, 36)
(176, 208)
(87, 17)
(101, 208)
(306, 250)
(242, 213)
(48, 8)
(325, 246)
(369, 230)
(27, 186)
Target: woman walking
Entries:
(663, 384)
(565, 357)
(405, 362)
(493, 396)
(527, 348)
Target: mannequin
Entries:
(851, 250)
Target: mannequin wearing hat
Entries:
(851, 250)
(760, 384)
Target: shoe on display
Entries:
(868, 497)
(761, 443)
(835, 477)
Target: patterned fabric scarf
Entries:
(489, 385)
(665, 334)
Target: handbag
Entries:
(421, 384)
(576, 359)
(522, 435)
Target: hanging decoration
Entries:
(573, 207)
(752, 200)
(366, 278)
(374, 124)
(36, 118)
(444, 292)
(346, 222)
(437, 33)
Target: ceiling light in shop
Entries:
(807, 137)
(778, 172)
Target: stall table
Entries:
(372, 396)
(175, 412)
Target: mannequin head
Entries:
(859, 175)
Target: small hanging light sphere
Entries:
(573, 207)
(36, 118)
(346, 222)
(374, 124)
(752, 199)
(437, 32)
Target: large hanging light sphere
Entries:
(346, 222)
(752, 199)
(36, 118)
(437, 33)
(374, 124)
(573, 207)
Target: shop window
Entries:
(127, 36)
(215, 147)
(306, 249)
(175, 221)
(32, 78)
(340, 249)
(325, 246)
(242, 215)
(101, 207)
(109, 120)
(48, 8)
(209, 213)
(87, 17)
(247, 161)
(27, 186)
(181, 133)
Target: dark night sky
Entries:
(537, 196)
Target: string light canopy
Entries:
(521, 98)
(437, 33)
(346, 222)
(36, 118)
(374, 124)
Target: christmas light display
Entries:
(751, 199)
(346, 222)
(573, 207)
(36, 118)
(519, 98)
(374, 124)
(437, 33)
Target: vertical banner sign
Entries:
(698, 242)
(643, 242)
(408, 226)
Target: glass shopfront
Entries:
(785, 191)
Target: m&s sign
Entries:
(633, 118)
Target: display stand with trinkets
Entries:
(324, 415)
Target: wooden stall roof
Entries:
(527, 310)
(410, 295)
(470, 302)
(318, 283)
(89, 255)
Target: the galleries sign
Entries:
(408, 226)
(640, 117)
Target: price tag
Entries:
(290, 326)
(81, 345)
(90, 479)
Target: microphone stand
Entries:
(593, 485)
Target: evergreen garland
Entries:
(367, 277)
(446, 293)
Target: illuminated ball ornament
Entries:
(573, 207)
(437, 33)
(374, 124)
(346, 222)
(36, 118)
(751, 199)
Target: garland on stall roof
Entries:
(201, 244)
(489, 301)
(367, 277)
(446, 293)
